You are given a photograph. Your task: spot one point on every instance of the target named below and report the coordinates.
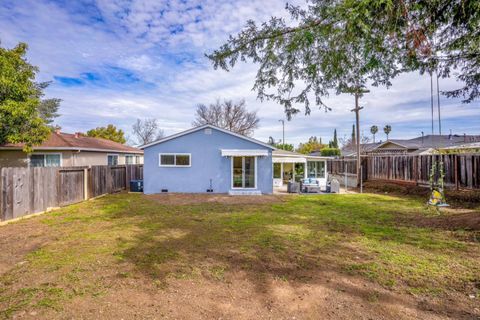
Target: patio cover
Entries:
(289, 160)
(244, 153)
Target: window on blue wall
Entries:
(175, 159)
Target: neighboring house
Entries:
(70, 150)
(473, 147)
(211, 159)
(416, 146)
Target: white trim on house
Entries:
(174, 154)
(244, 153)
(243, 174)
(45, 158)
(289, 160)
(204, 127)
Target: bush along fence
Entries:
(462, 171)
(25, 191)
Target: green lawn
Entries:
(87, 249)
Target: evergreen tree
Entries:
(335, 139)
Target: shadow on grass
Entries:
(304, 240)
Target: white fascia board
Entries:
(244, 153)
(289, 160)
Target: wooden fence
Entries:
(25, 191)
(462, 171)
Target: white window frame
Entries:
(174, 165)
(316, 172)
(243, 173)
(45, 158)
(113, 155)
(133, 157)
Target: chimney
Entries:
(78, 134)
(464, 137)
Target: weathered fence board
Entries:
(461, 171)
(30, 190)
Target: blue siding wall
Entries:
(206, 163)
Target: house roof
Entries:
(366, 147)
(177, 135)
(68, 141)
(473, 145)
(433, 141)
(420, 144)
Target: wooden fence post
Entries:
(455, 171)
(127, 178)
(85, 184)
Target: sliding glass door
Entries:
(243, 172)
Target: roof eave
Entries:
(183, 133)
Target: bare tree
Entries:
(349, 144)
(146, 131)
(229, 115)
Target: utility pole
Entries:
(283, 133)
(358, 92)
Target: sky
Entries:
(119, 60)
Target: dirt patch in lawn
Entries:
(185, 199)
(19, 239)
(324, 295)
(464, 221)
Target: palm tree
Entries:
(373, 130)
(387, 129)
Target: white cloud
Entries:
(159, 47)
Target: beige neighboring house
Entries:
(70, 150)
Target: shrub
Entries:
(330, 152)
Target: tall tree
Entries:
(387, 129)
(335, 139)
(48, 110)
(313, 144)
(20, 121)
(109, 132)
(342, 44)
(373, 131)
(345, 46)
(229, 115)
(146, 131)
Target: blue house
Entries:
(208, 159)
